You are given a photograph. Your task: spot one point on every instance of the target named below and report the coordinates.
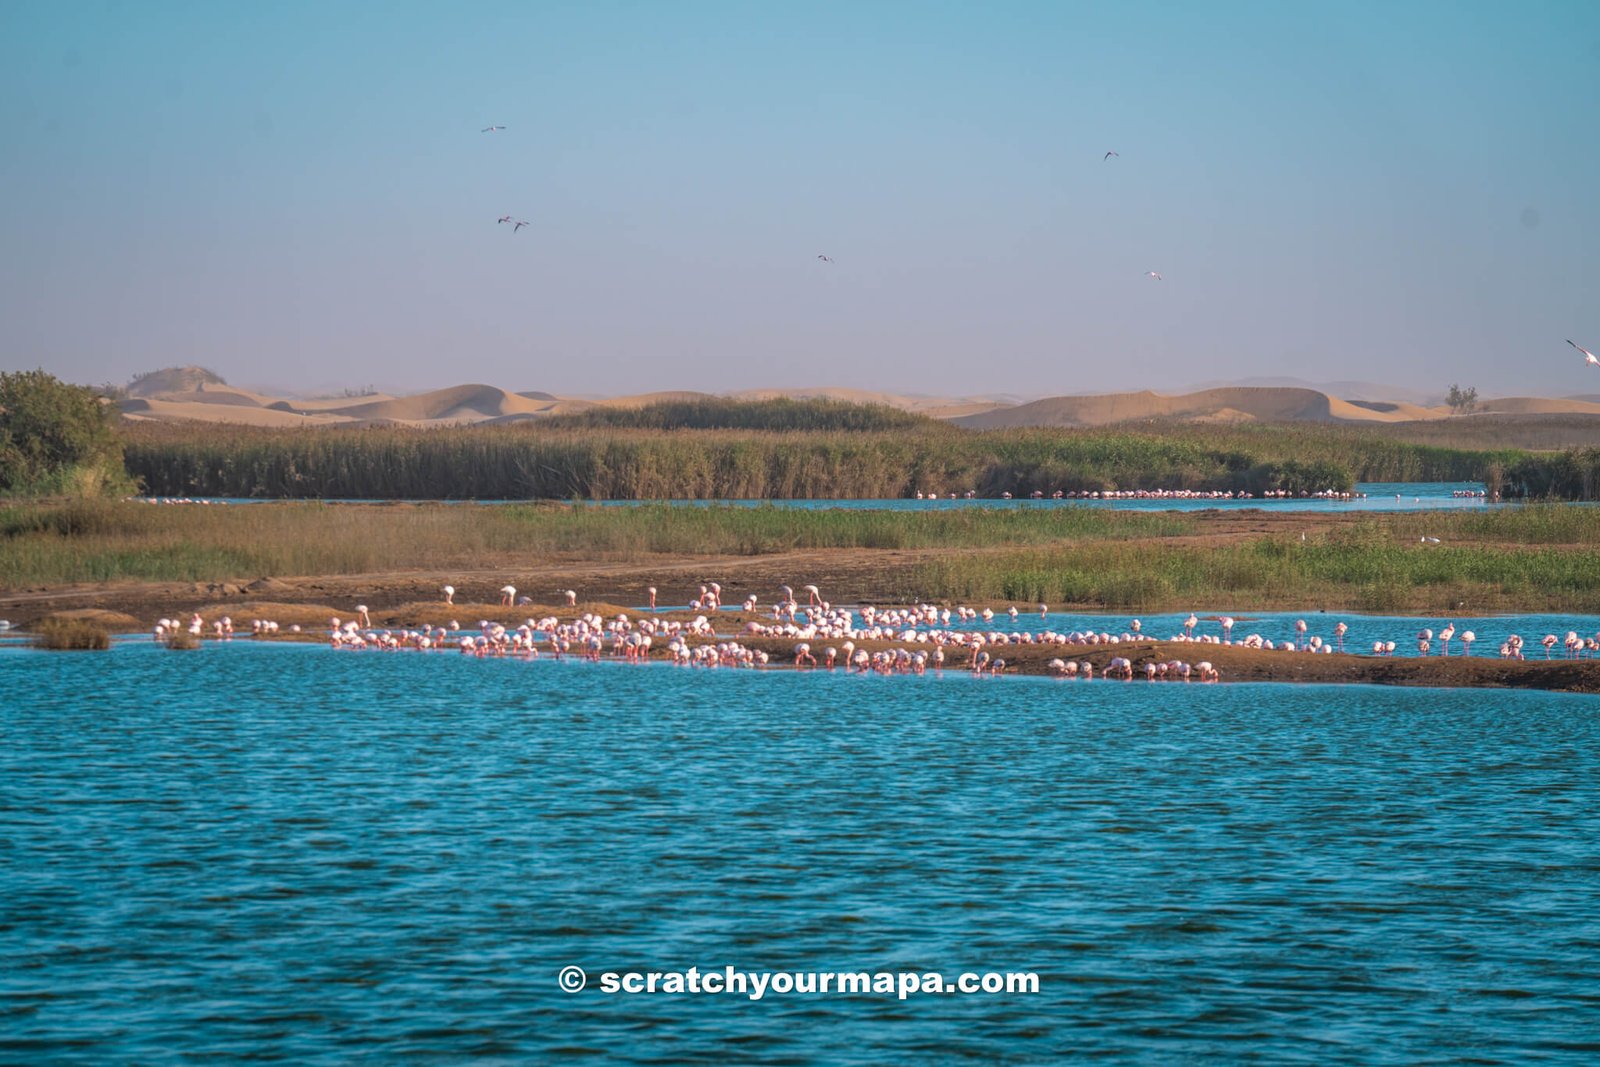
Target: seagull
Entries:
(1107, 156)
(1152, 274)
(826, 259)
(503, 218)
(491, 129)
(1588, 356)
(520, 224)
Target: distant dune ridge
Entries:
(196, 394)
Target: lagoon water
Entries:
(1371, 496)
(316, 855)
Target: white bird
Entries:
(1152, 274)
(1425, 539)
(1588, 356)
(491, 129)
(1107, 156)
(825, 259)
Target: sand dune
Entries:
(179, 411)
(459, 403)
(1533, 405)
(639, 400)
(191, 393)
(1234, 404)
(937, 407)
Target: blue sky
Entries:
(298, 195)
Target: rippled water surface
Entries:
(319, 856)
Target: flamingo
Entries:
(361, 610)
(1445, 635)
(491, 129)
(1467, 637)
(520, 224)
(1152, 274)
(1549, 642)
(504, 218)
(652, 592)
(1189, 624)
(825, 259)
(1339, 632)
(1227, 629)
(449, 592)
(507, 594)
(1588, 356)
(1300, 632)
(1107, 156)
(572, 598)
(814, 596)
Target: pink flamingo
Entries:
(1588, 356)
(507, 593)
(1227, 629)
(1189, 624)
(1445, 635)
(1339, 632)
(652, 592)
(1549, 642)
(1467, 637)
(1300, 633)
(449, 592)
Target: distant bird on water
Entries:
(491, 129)
(825, 259)
(1588, 356)
(1107, 156)
(1152, 274)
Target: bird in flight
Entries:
(503, 218)
(1107, 156)
(1152, 274)
(491, 129)
(520, 224)
(1588, 356)
(825, 259)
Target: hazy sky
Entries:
(297, 195)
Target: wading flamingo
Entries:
(1445, 635)
(1467, 637)
(508, 594)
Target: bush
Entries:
(73, 634)
(57, 438)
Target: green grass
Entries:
(106, 541)
(1269, 572)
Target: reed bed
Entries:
(606, 462)
(72, 635)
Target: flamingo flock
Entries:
(822, 635)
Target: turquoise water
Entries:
(1374, 496)
(286, 851)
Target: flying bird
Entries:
(1152, 274)
(1107, 156)
(503, 218)
(826, 259)
(1588, 356)
(491, 129)
(520, 224)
